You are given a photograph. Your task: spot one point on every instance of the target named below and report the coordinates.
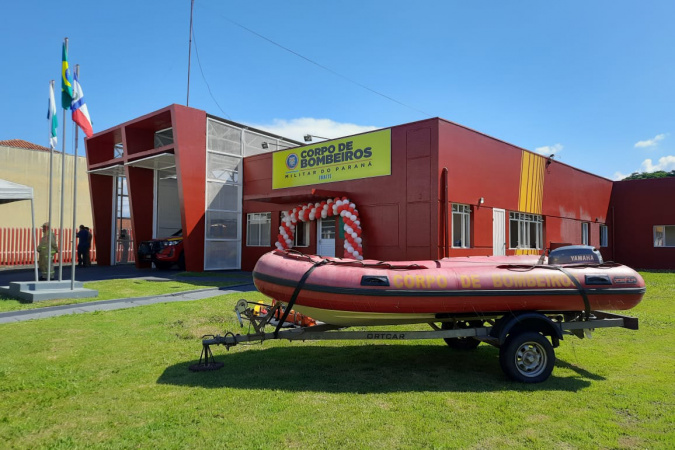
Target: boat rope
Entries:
(573, 279)
(580, 288)
(296, 292)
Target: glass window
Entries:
(258, 229)
(584, 233)
(222, 167)
(301, 238)
(461, 226)
(163, 137)
(223, 138)
(328, 228)
(526, 231)
(603, 236)
(664, 236)
(118, 150)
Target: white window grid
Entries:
(231, 139)
(463, 212)
(525, 225)
(257, 235)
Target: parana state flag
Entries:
(79, 107)
(51, 117)
(66, 81)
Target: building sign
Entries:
(363, 156)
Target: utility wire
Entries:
(199, 63)
(328, 69)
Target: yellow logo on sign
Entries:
(363, 156)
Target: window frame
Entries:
(464, 212)
(260, 239)
(604, 235)
(305, 234)
(525, 221)
(585, 233)
(665, 243)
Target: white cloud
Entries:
(618, 176)
(666, 163)
(298, 128)
(651, 142)
(548, 150)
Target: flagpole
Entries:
(51, 186)
(63, 179)
(192, 6)
(72, 263)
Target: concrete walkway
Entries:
(123, 303)
(97, 273)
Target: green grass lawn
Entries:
(120, 379)
(123, 288)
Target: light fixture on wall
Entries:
(308, 137)
(266, 145)
(481, 201)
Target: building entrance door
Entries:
(123, 238)
(325, 245)
(498, 232)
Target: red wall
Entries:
(402, 213)
(137, 136)
(189, 135)
(482, 166)
(639, 205)
(399, 212)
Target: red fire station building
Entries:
(421, 190)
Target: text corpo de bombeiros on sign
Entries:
(362, 156)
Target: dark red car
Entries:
(164, 253)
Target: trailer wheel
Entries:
(527, 357)
(462, 343)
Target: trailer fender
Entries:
(524, 322)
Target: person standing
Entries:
(45, 254)
(82, 246)
(87, 256)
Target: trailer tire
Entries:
(527, 357)
(462, 343)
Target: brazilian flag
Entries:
(66, 81)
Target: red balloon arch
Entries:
(332, 207)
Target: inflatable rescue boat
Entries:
(347, 292)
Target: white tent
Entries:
(13, 192)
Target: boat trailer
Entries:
(525, 353)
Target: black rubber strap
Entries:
(294, 297)
(582, 291)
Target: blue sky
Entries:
(593, 82)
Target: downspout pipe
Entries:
(446, 228)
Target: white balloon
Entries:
(343, 213)
(357, 223)
(354, 235)
(329, 201)
(288, 242)
(350, 248)
(339, 203)
(358, 240)
(312, 216)
(324, 214)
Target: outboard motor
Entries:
(575, 254)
